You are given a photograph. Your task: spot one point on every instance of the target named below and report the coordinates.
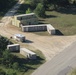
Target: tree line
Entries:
(46, 3)
(5, 4)
(7, 59)
(11, 62)
(40, 6)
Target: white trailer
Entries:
(27, 53)
(42, 27)
(51, 30)
(13, 47)
(33, 28)
(19, 37)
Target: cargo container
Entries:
(24, 19)
(19, 37)
(27, 53)
(13, 47)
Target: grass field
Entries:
(65, 23)
(73, 72)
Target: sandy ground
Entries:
(49, 45)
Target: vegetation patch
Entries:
(15, 63)
(73, 72)
(61, 14)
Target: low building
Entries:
(27, 53)
(13, 47)
(34, 28)
(43, 27)
(25, 19)
(51, 29)
(19, 37)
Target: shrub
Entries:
(40, 10)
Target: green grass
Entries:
(73, 72)
(65, 23)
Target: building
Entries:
(51, 30)
(34, 28)
(43, 27)
(27, 53)
(25, 19)
(13, 47)
(19, 37)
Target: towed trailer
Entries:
(27, 53)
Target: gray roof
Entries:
(19, 35)
(28, 51)
(25, 14)
(13, 45)
(47, 25)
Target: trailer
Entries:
(25, 19)
(19, 37)
(41, 27)
(27, 53)
(13, 47)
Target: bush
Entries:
(28, 11)
(40, 10)
(2, 72)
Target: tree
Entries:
(15, 66)
(40, 10)
(11, 72)
(7, 58)
(28, 11)
(45, 3)
(33, 3)
(2, 72)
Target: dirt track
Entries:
(49, 45)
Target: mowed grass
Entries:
(65, 23)
(72, 72)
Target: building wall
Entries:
(27, 55)
(23, 53)
(25, 20)
(33, 28)
(49, 28)
(15, 48)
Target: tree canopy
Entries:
(4, 4)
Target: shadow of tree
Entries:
(23, 8)
(67, 10)
(25, 64)
(50, 16)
